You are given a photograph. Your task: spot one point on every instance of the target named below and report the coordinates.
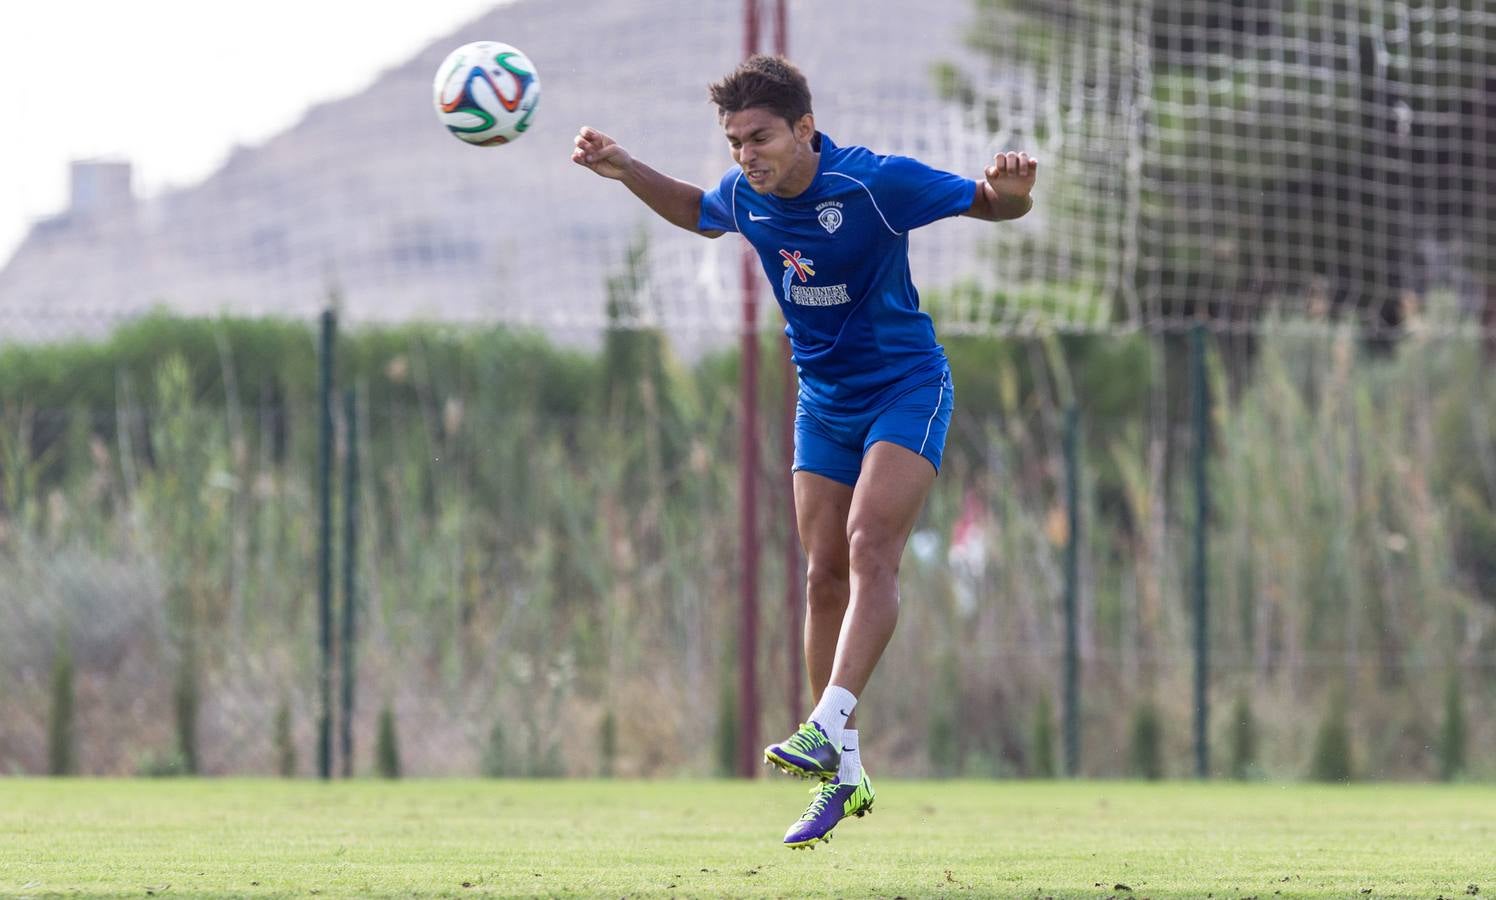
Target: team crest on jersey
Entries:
(829, 214)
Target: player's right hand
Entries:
(601, 154)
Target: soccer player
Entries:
(831, 225)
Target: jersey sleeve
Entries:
(717, 212)
(913, 194)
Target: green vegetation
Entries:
(387, 746)
(497, 760)
(704, 838)
(1332, 744)
(61, 750)
(1243, 740)
(1145, 752)
(1452, 735)
(1041, 761)
(285, 747)
(540, 548)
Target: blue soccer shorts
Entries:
(831, 443)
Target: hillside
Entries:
(368, 194)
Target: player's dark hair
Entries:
(768, 82)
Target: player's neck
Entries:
(800, 178)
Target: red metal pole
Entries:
(748, 748)
(794, 594)
(750, 28)
(781, 32)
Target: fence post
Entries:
(1201, 397)
(324, 543)
(346, 655)
(1072, 592)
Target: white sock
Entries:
(831, 713)
(851, 761)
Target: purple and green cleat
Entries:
(832, 802)
(807, 753)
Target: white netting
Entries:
(1321, 160)
(1059, 80)
(1198, 157)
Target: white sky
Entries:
(173, 85)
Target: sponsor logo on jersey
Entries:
(830, 295)
(798, 264)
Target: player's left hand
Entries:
(1012, 174)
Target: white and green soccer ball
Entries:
(486, 93)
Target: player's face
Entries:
(775, 157)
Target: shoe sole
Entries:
(811, 844)
(790, 768)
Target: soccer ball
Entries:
(486, 93)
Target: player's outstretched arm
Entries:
(677, 202)
(1007, 189)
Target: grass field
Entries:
(245, 838)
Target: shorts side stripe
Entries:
(938, 400)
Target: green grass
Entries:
(247, 838)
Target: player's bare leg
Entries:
(853, 580)
(886, 503)
(821, 508)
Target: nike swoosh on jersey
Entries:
(753, 218)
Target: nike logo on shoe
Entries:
(753, 218)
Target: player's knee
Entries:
(871, 554)
(827, 582)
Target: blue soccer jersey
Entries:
(838, 257)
